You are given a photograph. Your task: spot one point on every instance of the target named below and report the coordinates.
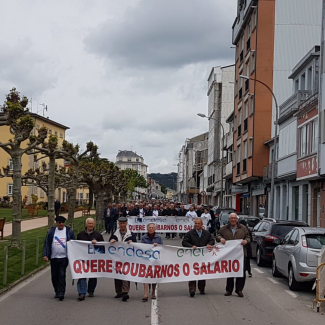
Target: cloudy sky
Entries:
(122, 73)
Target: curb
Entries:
(23, 278)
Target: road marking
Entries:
(258, 270)
(272, 280)
(291, 294)
(155, 309)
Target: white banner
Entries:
(163, 224)
(145, 263)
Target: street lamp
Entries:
(275, 142)
(223, 139)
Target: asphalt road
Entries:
(266, 301)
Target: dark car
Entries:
(218, 212)
(267, 234)
(250, 220)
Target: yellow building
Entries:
(28, 160)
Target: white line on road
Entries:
(155, 309)
(272, 280)
(258, 270)
(291, 294)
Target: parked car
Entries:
(261, 212)
(224, 215)
(250, 220)
(267, 234)
(296, 255)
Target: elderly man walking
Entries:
(154, 239)
(232, 231)
(122, 234)
(55, 250)
(197, 237)
(89, 234)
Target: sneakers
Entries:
(192, 294)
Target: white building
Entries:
(126, 159)
(220, 106)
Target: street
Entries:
(267, 300)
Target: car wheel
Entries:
(275, 271)
(259, 259)
(293, 284)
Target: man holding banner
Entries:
(198, 237)
(233, 231)
(122, 234)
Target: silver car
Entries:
(296, 255)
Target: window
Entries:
(35, 190)
(241, 56)
(50, 131)
(10, 164)
(304, 140)
(129, 159)
(137, 159)
(239, 122)
(42, 193)
(238, 160)
(303, 82)
(294, 240)
(56, 133)
(252, 62)
(246, 116)
(87, 196)
(61, 135)
(254, 18)
(251, 106)
(250, 148)
(37, 127)
(309, 78)
(10, 189)
(314, 135)
(248, 42)
(245, 157)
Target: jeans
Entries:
(82, 286)
(112, 225)
(58, 274)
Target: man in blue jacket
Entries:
(55, 251)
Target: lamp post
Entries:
(223, 139)
(275, 142)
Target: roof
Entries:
(47, 120)
(128, 153)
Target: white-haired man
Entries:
(234, 230)
(89, 234)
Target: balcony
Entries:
(267, 173)
(228, 139)
(227, 172)
(292, 104)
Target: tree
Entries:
(72, 174)
(105, 179)
(134, 179)
(163, 188)
(15, 116)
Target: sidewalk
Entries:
(34, 223)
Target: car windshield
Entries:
(225, 215)
(280, 231)
(316, 241)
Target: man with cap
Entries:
(55, 250)
(122, 234)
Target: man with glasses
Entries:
(55, 251)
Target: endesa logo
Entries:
(134, 252)
(96, 249)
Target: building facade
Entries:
(220, 105)
(263, 53)
(28, 161)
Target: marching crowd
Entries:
(116, 219)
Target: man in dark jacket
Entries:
(55, 250)
(197, 237)
(233, 230)
(57, 207)
(89, 234)
(122, 234)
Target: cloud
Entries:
(166, 34)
